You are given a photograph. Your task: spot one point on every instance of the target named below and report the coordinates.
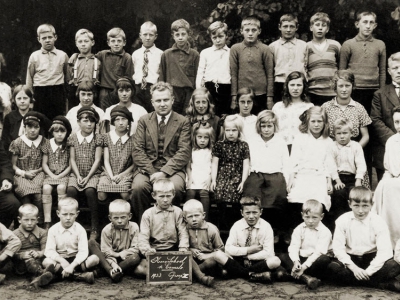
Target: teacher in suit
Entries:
(385, 99)
(161, 149)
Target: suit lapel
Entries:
(153, 129)
(172, 126)
(392, 96)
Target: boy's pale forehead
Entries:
(251, 207)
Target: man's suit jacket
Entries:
(177, 145)
(385, 99)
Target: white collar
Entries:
(226, 48)
(80, 137)
(150, 49)
(29, 142)
(166, 118)
(351, 103)
(115, 137)
(54, 146)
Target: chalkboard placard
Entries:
(172, 267)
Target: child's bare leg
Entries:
(47, 200)
(141, 269)
(102, 196)
(125, 196)
(37, 201)
(61, 191)
(200, 276)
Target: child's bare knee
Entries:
(47, 188)
(273, 262)
(101, 196)
(61, 189)
(220, 257)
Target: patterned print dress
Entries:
(29, 158)
(120, 160)
(57, 161)
(230, 169)
(84, 158)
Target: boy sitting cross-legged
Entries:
(119, 252)
(9, 245)
(309, 245)
(251, 243)
(67, 245)
(362, 246)
(162, 229)
(33, 242)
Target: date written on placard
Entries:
(173, 267)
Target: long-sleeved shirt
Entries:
(392, 159)
(67, 242)
(154, 58)
(86, 68)
(46, 68)
(206, 238)
(366, 59)
(31, 240)
(356, 237)
(123, 240)
(214, 66)
(289, 56)
(162, 229)
(262, 234)
(349, 159)
(9, 242)
(310, 243)
(252, 66)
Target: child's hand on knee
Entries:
(359, 273)
(116, 269)
(68, 271)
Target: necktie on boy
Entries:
(145, 68)
(247, 262)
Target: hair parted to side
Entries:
(394, 57)
(320, 17)
(360, 194)
(365, 13)
(201, 92)
(251, 20)
(180, 23)
(344, 75)
(86, 32)
(23, 88)
(193, 205)
(250, 201)
(341, 123)
(244, 91)
(267, 117)
(217, 27)
(306, 116)
(162, 86)
(149, 25)
(27, 209)
(46, 28)
(287, 98)
(237, 121)
(312, 206)
(68, 201)
(116, 32)
(205, 127)
(396, 109)
(86, 86)
(119, 206)
(163, 185)
(288, 18)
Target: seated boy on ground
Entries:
(306, 258)
(33, 242)
(119, 254)
(67, 245)
(251, 243)
(9, 245)
(162, 229)
(362, 246)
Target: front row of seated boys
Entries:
(361, 244)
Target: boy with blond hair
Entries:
(146, 62)
(213, 72)
(322, 60)
(252, 66)
(307, 258)
(67, 245)
(33, 242)
(119, 252)
(9, 245)
(83, 65)
(46, 74)
(179, 65)
(289, 53)
(115, 63)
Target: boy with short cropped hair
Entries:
(46, 74)
(119, 254)
(162, 228)
(115, 63)
(306, 258)
(365, 57)
(214, 72)
(67, 245)
(322, 60)
(289, 53)
(362, 246)
(251, 243)
(9, 245)
(83, 65)
(146, 62)
(252, 66)
(33, 242)
(179, 65)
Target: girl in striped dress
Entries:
(56, 165)
(26, 159)
(118, 163)
(85, 158)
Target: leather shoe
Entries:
(263, 277)
(312, 282)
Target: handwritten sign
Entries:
(169, 268)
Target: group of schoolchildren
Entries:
(270, 153)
